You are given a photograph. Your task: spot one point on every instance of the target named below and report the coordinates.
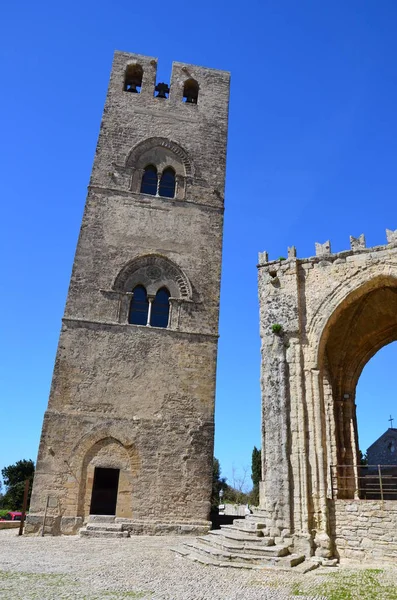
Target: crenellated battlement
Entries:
(190, 88)
(324, 252)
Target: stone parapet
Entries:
(324, 252)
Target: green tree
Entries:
(363, 458)
(218, 484)
(256, 475)
(237, 492)
(14, 477)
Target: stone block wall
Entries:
(366, 529)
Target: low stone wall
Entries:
(71, 525)
(9, 524)
(152, 528)
(237, 510)
(366, 529)
(53, 525)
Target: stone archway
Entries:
(362, 324)
(322, 319)
(104, 447)
(107, 453)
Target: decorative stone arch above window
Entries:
(153, 272)
(163, 154)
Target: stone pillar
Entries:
(321, 518)
(275, 490)
(299, 450)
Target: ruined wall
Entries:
(366, 530)
(133, 397)
(321, 319)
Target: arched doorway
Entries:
(376, 395)
(362, 324)
(321, 320)
(106, 480)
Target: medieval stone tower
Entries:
(129, 427)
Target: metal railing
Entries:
(365, 482)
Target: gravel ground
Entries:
(66, 568)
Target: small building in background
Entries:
(384, 450)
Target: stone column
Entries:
(299, 450)
(319, 481)
(275, 491)
(149, 312)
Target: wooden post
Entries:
(45, 516)
(380, 484)
(24, 505)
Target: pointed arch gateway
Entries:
(110, 450)
(363, 322)
(333, 313)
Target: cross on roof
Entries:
(391, 422)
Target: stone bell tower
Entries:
(129, 428)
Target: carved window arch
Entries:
(173, 165)
(158, 281)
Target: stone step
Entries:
(238, 536)
(244, 530)
(233, 546)
(242, 541)
(305, 567)
(206, 559)
(241, 557)
(292, 560)
(101, 519)
(249, 523)
(237, 547)
(102, 533)
(104, 527)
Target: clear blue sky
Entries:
(312, 155)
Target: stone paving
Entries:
(69, 568)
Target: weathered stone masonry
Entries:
(321, 320)
(135, 398)
(366, 530)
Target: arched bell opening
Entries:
(190, 91)
(133, 79)
(363, 323)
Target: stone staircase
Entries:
(103, 526)
(244, 545)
